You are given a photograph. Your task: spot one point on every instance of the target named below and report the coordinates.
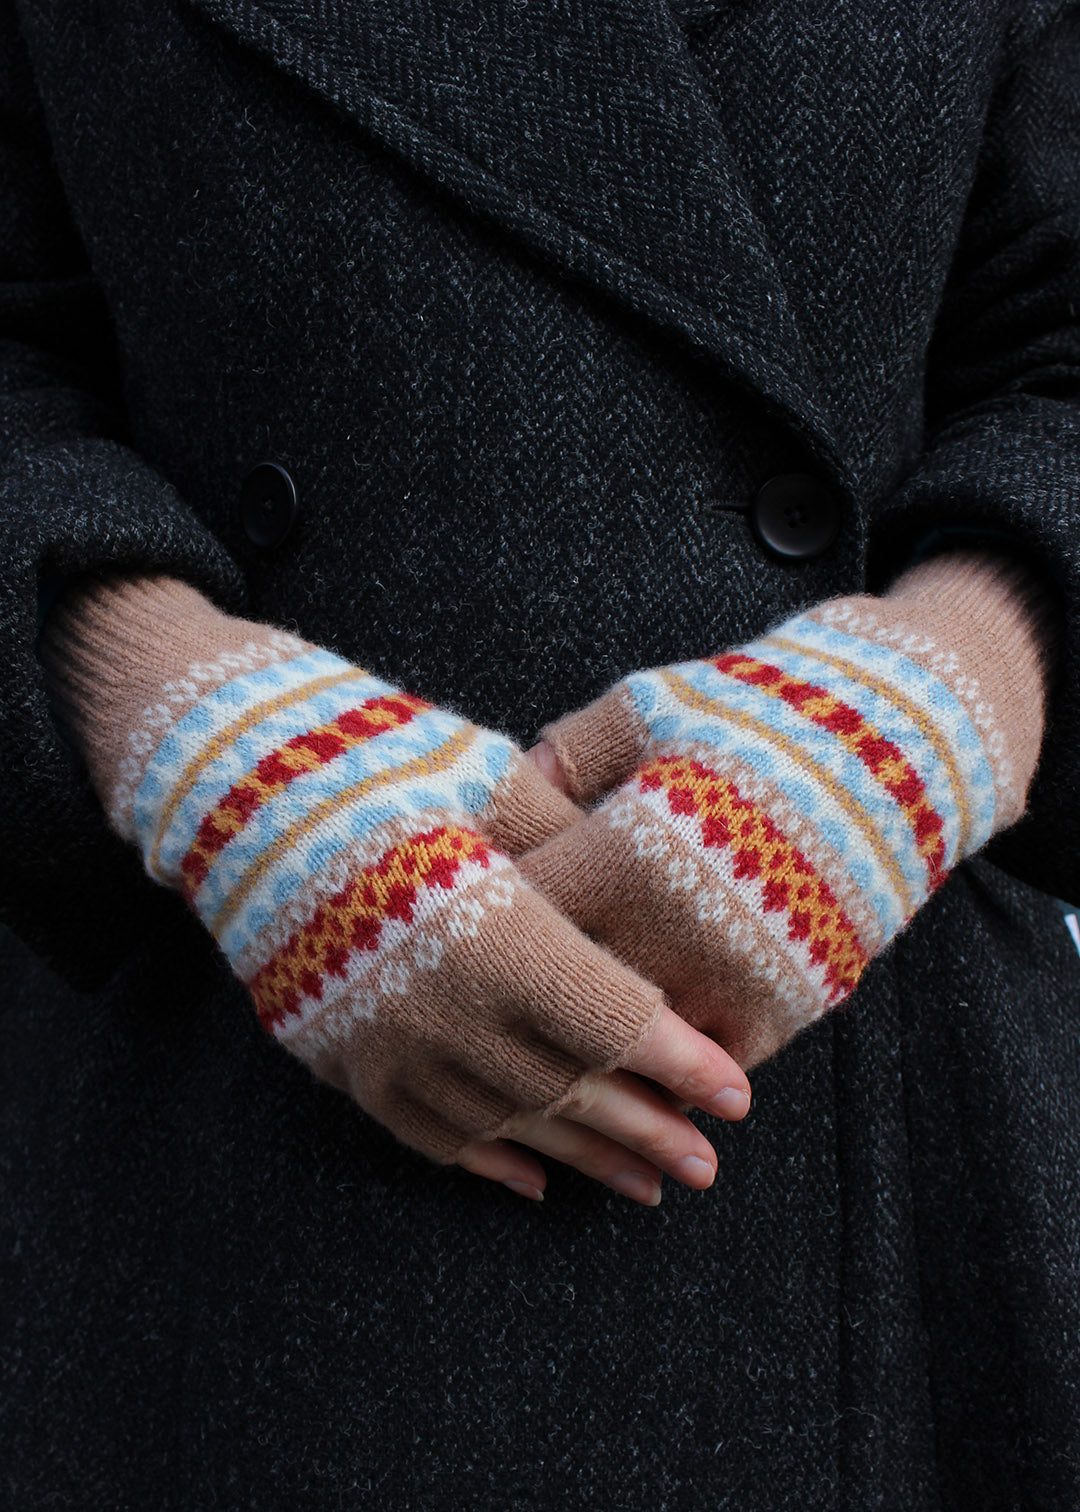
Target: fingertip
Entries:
(502, 1161)
(693, 1068)
(547, 763)
(730, 1103)
(525, 1189)
(696, 1172)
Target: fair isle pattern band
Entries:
(884, 760)
(773, 875)
(352, 920)
(291, 773)
(930, 730)
(866, 626)
(410, 947)
(700, 889)
(805, 783)
(804, 835)
(268, 930)
(296, 758)
(913, 701)
(434, 759)
(175, 697)
(174, 785)
(349, 846)
(265, 880)
(879, 758)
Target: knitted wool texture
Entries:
(348, 845)
(782, 810)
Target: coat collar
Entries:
(586, 131)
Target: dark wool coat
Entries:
(516, 291)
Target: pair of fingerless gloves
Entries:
(436, 930)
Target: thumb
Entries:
(525, 808)
(543, 757)
(599, 746)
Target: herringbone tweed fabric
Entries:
(530, 300)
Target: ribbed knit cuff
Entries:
(127, 657)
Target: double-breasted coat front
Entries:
(533, 302)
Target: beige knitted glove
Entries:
(348, 845)
(776, 814)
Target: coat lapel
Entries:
(585, 130)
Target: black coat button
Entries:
(267, 504)
(795, 515)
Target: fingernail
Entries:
(634, 1184)
(525, 1190)
(693, 1170)
(730, 1103)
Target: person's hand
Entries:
(619, 1129)
(772, 816)
(349, 846)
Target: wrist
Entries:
(125, 658)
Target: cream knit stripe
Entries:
(827, 759)
(440, 765)
(695, 894)
(883, 631)
(196, 787)
(405, 953)
(976, 623)
(268, 926)
(802, 833)
(225, 735)
(336, 818)
(927, 736)
(808, 785)
(832, 650)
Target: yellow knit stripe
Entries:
(352, 919)
(306, 752)
(220, 742)
(760, 850)
(919, 718)
(686, 694)
(439, 760)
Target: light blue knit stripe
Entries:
(387, 751)
(812, 800)
(290, 873)
(463, 789)
(671, 723)
(890, 722)
(242, 755)
(930, 693)
(220, 708)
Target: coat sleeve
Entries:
(73, 495)
(1002, 451)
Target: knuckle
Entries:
(662, 1145)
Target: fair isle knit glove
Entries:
(348, 846)
(780, 812)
